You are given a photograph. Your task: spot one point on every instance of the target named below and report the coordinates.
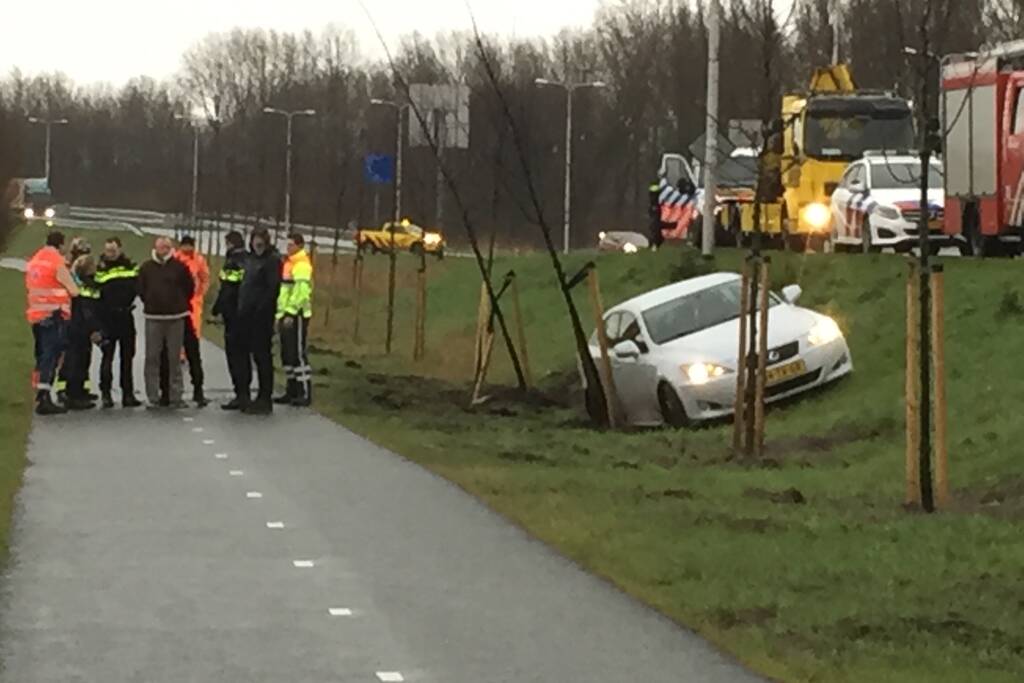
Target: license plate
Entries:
(787, 371)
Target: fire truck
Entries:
(982, 111)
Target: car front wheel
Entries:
(673, 412)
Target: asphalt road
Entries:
(205, 546)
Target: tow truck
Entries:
(33, 199)
(982, 112)
(821, 131)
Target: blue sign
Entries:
(379, 169)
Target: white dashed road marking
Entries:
(253, 494)
(221, 456)
(275, 525)
(339, 611)
(236, 473)
(302, 564)
(389, 676)
(189, 419)
(207, 442)
(197, 430)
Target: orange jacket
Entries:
(200, 270)
(46, 293)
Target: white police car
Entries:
(877, 204)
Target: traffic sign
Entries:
(379, 169)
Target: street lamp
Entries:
(289, 115)
(49, 123)
(195, 162)
(567, 198)
(399, 109)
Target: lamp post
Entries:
(569, 88)
(195, 164)
(289, 116)
(49, 123)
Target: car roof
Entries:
(674, 291)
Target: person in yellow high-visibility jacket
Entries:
(294, 310)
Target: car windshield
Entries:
(903, 176)
(848, 136)
(695, 312)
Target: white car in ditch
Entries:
(877, 205)
(673, 350)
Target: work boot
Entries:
(290, 393)
(260, 406)
(130, 401)
(235, 404)
(46, 406)
(80, 403)
(199, 399)
(302, 398)
(108, 400)
(62, 397)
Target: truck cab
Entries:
(38, 200)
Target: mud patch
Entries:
(823, 444)
(790, 496)
(749, 616)
(526, 458)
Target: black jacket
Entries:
(118, 283)
(166, 289)
(257, 297)
(231, 274)
(85, 312)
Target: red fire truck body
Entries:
(983, 146)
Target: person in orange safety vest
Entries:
(50, 288)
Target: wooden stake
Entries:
(482, 313)
(762, 363)
(939, 369)
(418, 349)
(741, 374)
(357, 278)
(608, 379)
(913, 389)
(524, 354)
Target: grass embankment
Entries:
(16, 342)
(804, 565)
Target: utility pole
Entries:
(289, 116)
(837, 30)
(440, 133)
(711, 133)
(399, 121)
(567, 196)
(49, 123)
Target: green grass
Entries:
(846, 586)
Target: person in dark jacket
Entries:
(226, 306)
(84, 330)
(117, 278)
(165, 287)
(257, 308)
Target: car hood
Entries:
(786, 323)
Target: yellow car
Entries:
(407, 237)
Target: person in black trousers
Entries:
(257, 308)
(84, 330)
(117, 278)
(226, 306)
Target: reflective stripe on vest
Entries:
(46, 295)
(231, 275)
(88, 292)
(116, 273)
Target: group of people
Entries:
(77, 301)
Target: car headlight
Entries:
(29, 213)
(602, 235)
(824, 331)
(50, 213)
(817, 215)
(702, 373)
(432, 238)
(889, 212)
(629, 248)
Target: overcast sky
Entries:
(114, 40)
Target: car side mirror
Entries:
(858, 186)
(626, 349)
(791, 293)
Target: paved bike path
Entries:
(207, 546)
